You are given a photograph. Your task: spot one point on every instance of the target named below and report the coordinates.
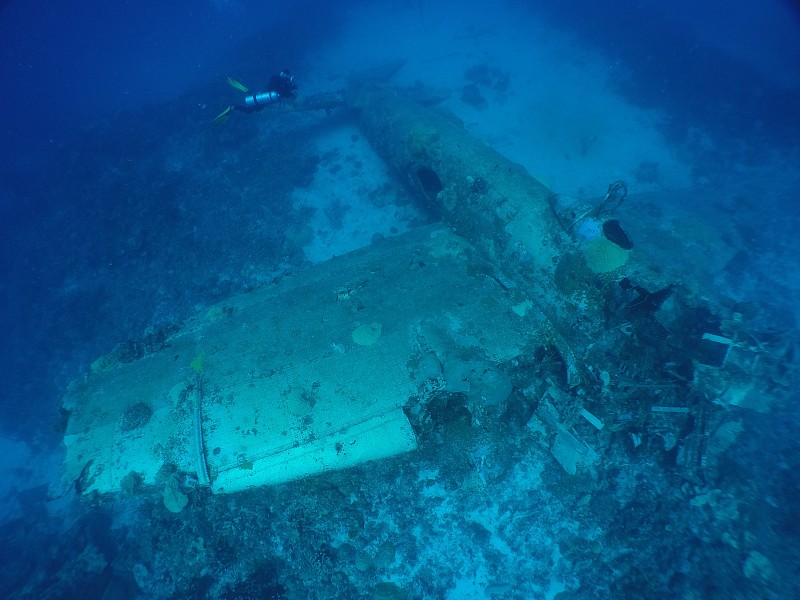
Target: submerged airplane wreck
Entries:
(517, 293)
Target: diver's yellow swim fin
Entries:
(235, 84)
(223, 116)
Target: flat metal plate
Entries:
(281, 383)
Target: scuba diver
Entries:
(279, 87)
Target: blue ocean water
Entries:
(124, 211)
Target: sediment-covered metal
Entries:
(488, 199)
(480, 193)
(295, 379)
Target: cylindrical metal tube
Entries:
(256, 101)
(486, 198)
(490, 200)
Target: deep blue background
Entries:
(66, 64)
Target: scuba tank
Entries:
(257, 101)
